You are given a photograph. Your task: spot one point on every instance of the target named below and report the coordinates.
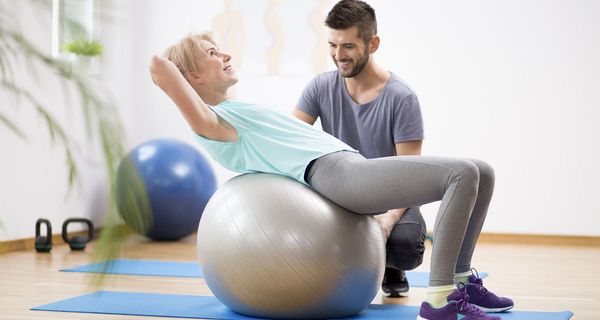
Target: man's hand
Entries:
(388, 220)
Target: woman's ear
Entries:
(195, 78)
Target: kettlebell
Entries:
(43, 244)
(78, 242)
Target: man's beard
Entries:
(359, 65)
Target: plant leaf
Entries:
(10, 125)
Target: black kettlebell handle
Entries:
(90, 227)
(38, 224)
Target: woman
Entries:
(246, 138)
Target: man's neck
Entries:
(367, 84)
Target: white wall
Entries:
(510, 82)
(515, 83)
(33, 180)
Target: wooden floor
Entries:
(537, 277)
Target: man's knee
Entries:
(406, 244)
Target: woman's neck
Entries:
(212, 97)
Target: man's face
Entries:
(348, 51)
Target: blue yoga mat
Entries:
(143, 268)
(208, 307)
(191, 270)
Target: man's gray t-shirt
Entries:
(374, 128)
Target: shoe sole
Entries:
(494, 310)
(396, 294)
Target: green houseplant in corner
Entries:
(85, 54)
(82, 47)
(100, 116)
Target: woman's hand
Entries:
(162, 69)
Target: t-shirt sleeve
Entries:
(408, 122)
(309, 100)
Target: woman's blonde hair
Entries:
(187, 54)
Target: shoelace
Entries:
(463, 304)
(479, 283)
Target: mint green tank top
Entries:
(269, 142)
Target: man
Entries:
(371, 110)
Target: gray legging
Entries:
(372, 186)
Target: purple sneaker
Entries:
(480, 297)
(455, 309)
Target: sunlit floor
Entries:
(537, 277)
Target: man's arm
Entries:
(304, 116)
(409, 148)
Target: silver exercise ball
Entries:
(271, 247)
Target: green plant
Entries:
(83, 48)
(100, 116)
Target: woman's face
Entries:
(217, 71)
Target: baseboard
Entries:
(29, 243)
(554, 240)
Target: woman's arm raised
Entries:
(198, 115)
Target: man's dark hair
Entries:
(349, 13)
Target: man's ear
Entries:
(374, 44)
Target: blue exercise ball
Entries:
(170, 182)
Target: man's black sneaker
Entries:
(394, 283)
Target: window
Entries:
(72, 21)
